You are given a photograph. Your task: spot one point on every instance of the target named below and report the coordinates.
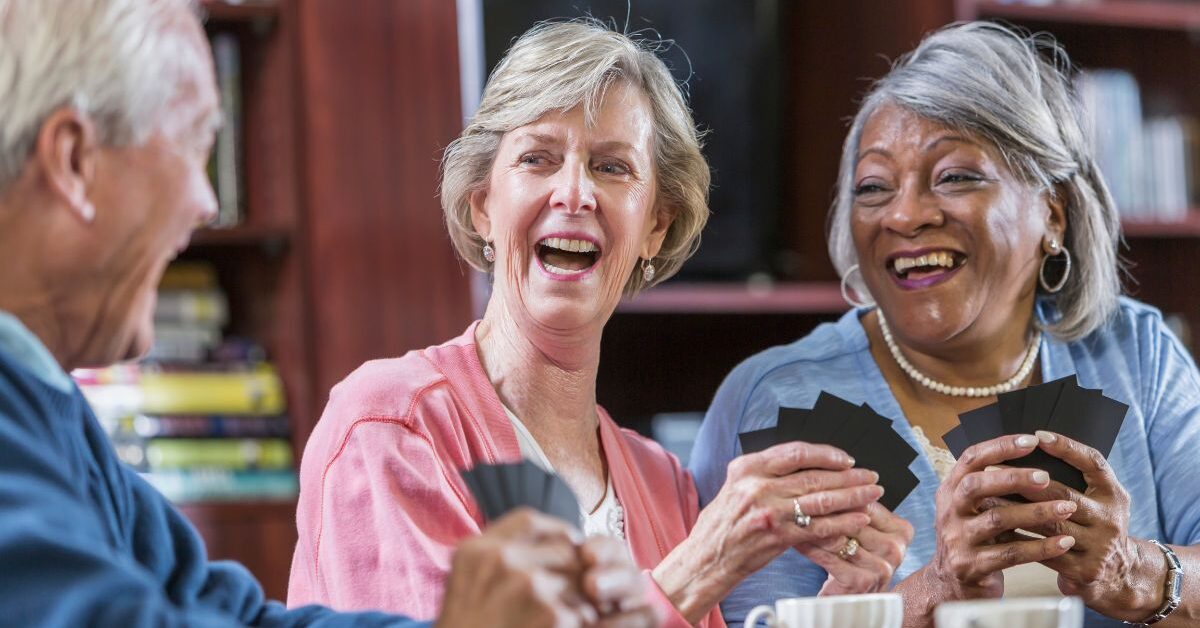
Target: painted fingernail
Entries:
(1066, 508)
(1046, 437)
(1025, 440)
(1067, 542)
(991, 467)
(1039, 477)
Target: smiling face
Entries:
(148, 199)
(570, 208)
(949, 240)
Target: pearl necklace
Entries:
(961, 391)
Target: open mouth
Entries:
(926, 266)
(567, 256)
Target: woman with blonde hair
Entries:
(578, 180)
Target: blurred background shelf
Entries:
(249, 11)
(818, 297)
(1152, 14)
(1189, 228)
(271, 239)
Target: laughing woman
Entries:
(579, 179)
(971, 211)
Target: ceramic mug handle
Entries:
(758, 613)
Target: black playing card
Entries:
(758, 440)
(828, 415)
(957, 440)
(501, 488)
(897, 484)
(791, 423)
(857, 422)
(982, 424)
(1012, 408)
(1039, 403)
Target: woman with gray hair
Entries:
(971, 213)
(579, 179)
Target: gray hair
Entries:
(115, 61)
(557, 66)
(1012, 89)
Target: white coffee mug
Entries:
(871, 610)
(1031, 612)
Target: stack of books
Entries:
(197, 427)
(1151, 164)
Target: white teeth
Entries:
(569, 245)
(558, 271)
(941, 258)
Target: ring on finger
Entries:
(801, 519)
(849, 549)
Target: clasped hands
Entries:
(1086, 540)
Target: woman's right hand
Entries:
(975, 541)
(752, 520)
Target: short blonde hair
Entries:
(557, 66)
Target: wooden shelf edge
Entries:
(718, 298)
(247, 11)
(241, 235)
(1150, 14)
(1186, 228)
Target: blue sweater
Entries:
(84, 541)
(1134, 359)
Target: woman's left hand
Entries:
(881, 546)
(1116, 575)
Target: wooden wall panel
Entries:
(379, 94)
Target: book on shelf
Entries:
(225, 165)
(1149, 163)
(202, 416)
(206, 485)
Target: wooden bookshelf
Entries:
(246, 11)
(1187, 228)
(1152, 14)
(341, 255)
(719, 298)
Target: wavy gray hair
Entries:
(113, 60)
(557, 66)
(1014, 90)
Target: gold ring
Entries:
(849, 549)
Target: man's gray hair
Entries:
(557, 66)
(116, 61)
(1014, 90)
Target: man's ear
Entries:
(479, 216)
(663, 217)
(66, 150)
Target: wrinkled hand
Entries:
(524, 570)
(882, 545)
(752, 519)
(614, 585)
(976, 543)
(1114, 574)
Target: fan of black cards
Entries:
(858, 430)
(1060, 406)
(499, 488)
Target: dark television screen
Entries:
(725, 54)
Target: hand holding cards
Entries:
(858, 430)
(499, 488)
(1060, 406)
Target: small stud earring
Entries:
(1054, 246)
(489, 253)
(647, 271)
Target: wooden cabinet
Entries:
(341, 256)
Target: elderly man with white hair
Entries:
(109, 112)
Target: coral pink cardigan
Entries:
(382, 505)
